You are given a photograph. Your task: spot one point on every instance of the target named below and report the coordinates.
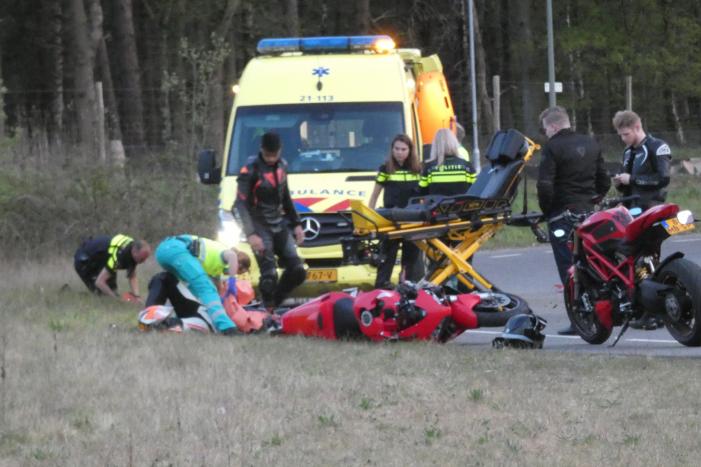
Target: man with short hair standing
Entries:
(264, 206)
(571, 174)
(645, 162)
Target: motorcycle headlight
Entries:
(230, 232)
(685, 217)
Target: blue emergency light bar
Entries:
(272, 46)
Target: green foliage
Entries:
(47, 210)
(476, 394)
(431, 433)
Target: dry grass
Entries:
(80, 386)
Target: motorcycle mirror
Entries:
(559, 233)
(685, 217)
(635, 211)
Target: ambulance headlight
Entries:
(230, 232)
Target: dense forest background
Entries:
(165, 67)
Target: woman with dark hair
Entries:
(399, 178)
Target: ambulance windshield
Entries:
(328, 137)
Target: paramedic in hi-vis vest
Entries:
(197, 261)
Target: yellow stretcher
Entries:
(451, 229)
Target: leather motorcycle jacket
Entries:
(263, 196)
(571, 173)
(648, 166)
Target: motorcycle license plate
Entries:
(673, 226)
(322, 275)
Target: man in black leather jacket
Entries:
(264, 207)
(645, 162)
(570, 175)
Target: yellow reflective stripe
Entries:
(116, 244)
(404, 177)
(450, 177)
(381, 177)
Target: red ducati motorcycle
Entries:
(618, 274)
(407, 313)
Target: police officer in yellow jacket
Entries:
(445, 173)
(98, 258)
(196, 261)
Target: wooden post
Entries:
(629, 92)
(100, 123)
(496, 102)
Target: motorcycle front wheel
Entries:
(586, 323)
(683, 305)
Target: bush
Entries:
(52, 210)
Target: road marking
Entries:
(686, 240)
(658, 341)
(654, 341)
(506, 256)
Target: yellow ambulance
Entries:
(336, 102)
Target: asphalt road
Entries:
(531, 273)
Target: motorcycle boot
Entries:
(647, 322)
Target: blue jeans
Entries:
(173, 256)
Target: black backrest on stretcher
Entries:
(505, 154)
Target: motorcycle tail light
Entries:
(685, 217)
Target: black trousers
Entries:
(163, 288)
(411, 261)
(279, 248)
(88, 270)
(562, 254)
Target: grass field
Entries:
(79, 385)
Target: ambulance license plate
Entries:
(322, 275)
(673, 226)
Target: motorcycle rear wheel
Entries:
(685, 277)
(586, 323)
(496, 308)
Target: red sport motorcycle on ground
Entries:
(407, 313)
(618, 274)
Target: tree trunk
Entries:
(362, 16)
(482, 93)
(215, 125)
(292, 10)
(677, 121)
(524, 50)
(177, 69)
(132, 107)
(83, 63)
(2, 98)
(114, 130)
(54, 73)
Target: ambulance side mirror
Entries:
(207, 168)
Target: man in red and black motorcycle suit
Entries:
(266, 212)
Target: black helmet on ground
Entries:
(522, 331)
